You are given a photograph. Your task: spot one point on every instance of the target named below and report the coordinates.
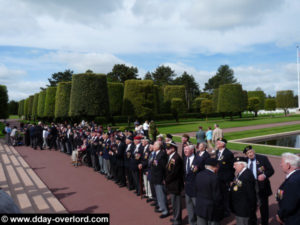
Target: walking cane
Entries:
(141, 184)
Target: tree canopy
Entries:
(224, 75)
(121, 73)
(163, 75)
(60, 77)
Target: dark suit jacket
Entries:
(158, 167)
(189, 176)
(174, 175)
(202, 160)
(226, 170)
(263, 166)
(127, 155)
(136, 157)
(209, 200)
(120, 154)
(243, 194)
(289, 200)
(145, 158)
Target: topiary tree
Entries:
(30, 106)
(259, 94)
(62, 99)
(215, 97)
(230, 99)
(41, 104)
(270, 104)
(197, 104)
(89, 96)
(139, 99)
(26, 108)
(13, 108)
(177, 107)
(115, 94)
(254, 105)
(173, 91)
(3, 102)
(245, 102)
(50, 102)
(285, 100)
(206, 107)
(35, 105)
(21, 108)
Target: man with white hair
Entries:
(288, 194)
(242, 192)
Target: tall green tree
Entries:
(121, 73)
(259, 94)
(254, 105)
(191, 87)
(177, 106)
(163, 75)
(148, 76)
(224, 75)
(270, 104)
(60, 77)
(206, 107)
(13, 107)
(3, 102)
(285, 100)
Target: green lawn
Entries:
(182, 128)
(14, 117)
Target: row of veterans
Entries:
(211, 186)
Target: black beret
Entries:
(169, 136)
(211, 162)
(247, 148)
(129, 138)
(171, 145)
(119, 138)
(240, 159)
(222, 139)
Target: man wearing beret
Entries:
(174, 181)
(185, 140)
(242, 192)
(169, 138)
(136, 159)
(121, 179)
(262, 171)
(127, 157)
(209, 199)
(226, 171)
(143, 166)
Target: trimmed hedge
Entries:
(62, 99)
(177, 107)
(230, 99)
(259, 94)
(115, 94)
(3, 102)
(26, 108)
(174, 91)
(50, 102)
(215, 98)
(21, 108)
(284, 100)
(139, 99)
(41, 104)
(89, 96)
(35, 105)
(197, 104)
(30, 105)
(270, 104)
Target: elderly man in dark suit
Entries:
(242, 192)
(209, 199)
(226, 172)
(262, 170)
(288, 194)
(174, 181)
(191, 165)
(158, 171)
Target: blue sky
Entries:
(257, 38)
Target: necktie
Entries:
(154, 155)
(251, 165)
(188, 168)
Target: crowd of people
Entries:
(214, 182)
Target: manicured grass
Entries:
(182, 128)
(14, 117)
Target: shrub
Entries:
(62, 99)
(139, 99)
(177, 107)
(215, 97)
(41, 104)
(197, 104)
(3, 102)
(50, 102)
(21, 108)
(206, 107)
(30, 106)
(89, 96)
(254, 105)
(115, 94)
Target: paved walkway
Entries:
(254, 127)
(24, 186)
(81, 190)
